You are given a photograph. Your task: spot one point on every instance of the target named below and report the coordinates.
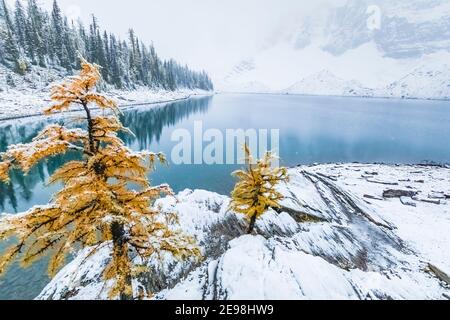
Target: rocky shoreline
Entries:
(346, 231)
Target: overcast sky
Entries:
(206, 34)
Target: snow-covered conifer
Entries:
(96, 206)
(256, 191)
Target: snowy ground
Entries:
(345, 232)
(26, 96)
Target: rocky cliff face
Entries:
(371, 46)
(401, 29)
(344, 232)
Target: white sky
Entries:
(206, 34)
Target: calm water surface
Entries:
(312, 130)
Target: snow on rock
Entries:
(197, 211)
(378, 57)
(336, 237)
(81, 278)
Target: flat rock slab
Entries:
(386, 183)
(427, 200)
(391, 193)
(408, 202)
(368, 196)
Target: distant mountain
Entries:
(406, 28)
(423, 82)
(326, 83)
(426, 82)
(366, 47)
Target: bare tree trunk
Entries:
(120, 248)
(252, 225)
(92, 148)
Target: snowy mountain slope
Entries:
(344, 232)
(326, 83)
(369, 43)
(360, 71)
(422, 82)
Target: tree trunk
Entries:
(252, 225)
(92, 148)
(118, 235)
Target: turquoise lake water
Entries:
(312, 130)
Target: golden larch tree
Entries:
(96, 205)
(255, 192)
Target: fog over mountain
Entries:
(365, 44)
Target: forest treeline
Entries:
(31, 36)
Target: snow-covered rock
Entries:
(336, 237)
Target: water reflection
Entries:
(147, 123)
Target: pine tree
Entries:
(107, 53)
(36, 26)
(95, 206)
(35, 36)
(92, 41)
(2, 10)
(80, 42)
(70, 45)
(12, 54)
(133, 59)
(2, 33)
(114, 62)
(58, 36)
(20, 21)
(256, 191)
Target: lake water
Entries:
(312, 130)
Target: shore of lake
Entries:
(345, 231)
(15, 104)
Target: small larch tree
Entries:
(96, 205)
(255, 191)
